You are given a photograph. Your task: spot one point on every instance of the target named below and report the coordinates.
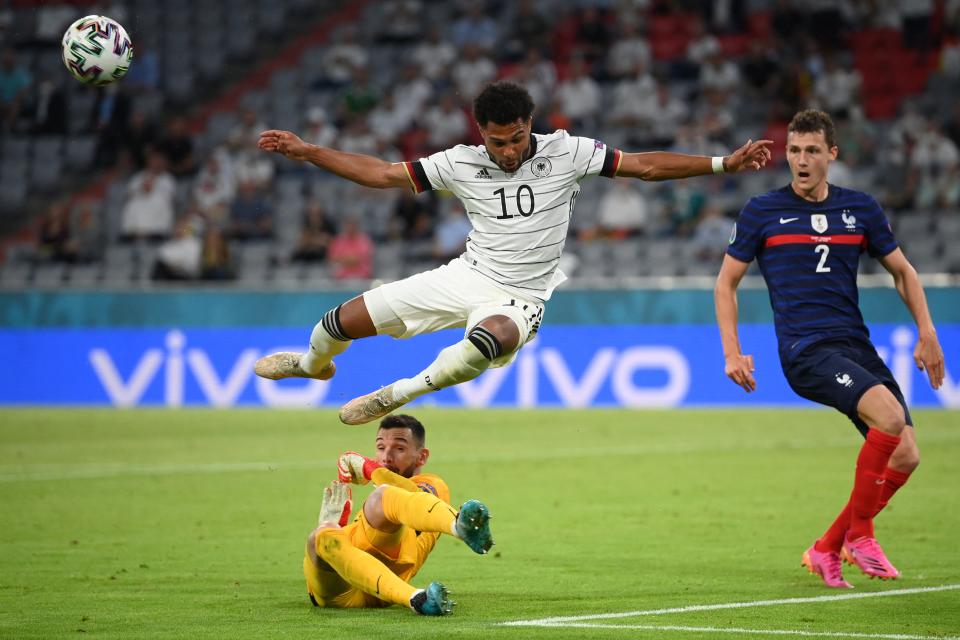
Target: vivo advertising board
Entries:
(566, 366)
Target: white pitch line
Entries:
(560, 620)
(737, 630)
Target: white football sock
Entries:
(457, 363)
(326, 341)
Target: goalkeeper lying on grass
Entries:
(370, 562)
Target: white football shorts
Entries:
(452, 295)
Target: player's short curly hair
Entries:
(404, 421)
(812, 121)
(502, 103)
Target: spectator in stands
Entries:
(623, 211)
(414, 217)
(87, 232)
(450, 234)
(387, 120)
(540, 74)
(111, 121)
(148, 211)
(402, 22)
(788, 23)
(579, 96)
(145, 74)
(629, 52)
(341, 59)
(715, 116)
(760, 67)
(249, 165)
(413, 93)
(434, 56)
(719, 73)
(593, 36)
(684, 202)
(320, 131)
(836, 89)
(728, 16)
(215, 260)
(54, 239)
(711, 235)
(702, 45)
(475, 28)
(952, 127)
(215, 186)
(141, 134)
(245, 133)
(15, 81)
(634, 97)
(916, 19)
(934, 158)
(446, 123)
(529, 31)
(351, 252)
(179, 258)
(472, 71)
(360, 96)
(316, 233)
(177, 145)
(856, 139)
(667, 115)
(47, 107)
(357, 137)
(251, 217)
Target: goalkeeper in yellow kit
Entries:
(370, 562)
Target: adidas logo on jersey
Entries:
(483, 174)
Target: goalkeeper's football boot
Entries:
(286, 364)
(432, 601)
(866, 553)
(473, 526)
(370, 407)
(827, 565)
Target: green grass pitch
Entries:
(191, 524)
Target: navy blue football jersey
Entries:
(808, 253)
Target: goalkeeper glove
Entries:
(337, 504)
(353, 468)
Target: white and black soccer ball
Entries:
(97, 50)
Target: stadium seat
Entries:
(49, 276)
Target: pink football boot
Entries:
(866, 553)
(827, 565)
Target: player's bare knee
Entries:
(891, 420)
(505, 331)
(355, 319)
(880, 409)
(906, 457)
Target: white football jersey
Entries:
(519, 219)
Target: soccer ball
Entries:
(97, 50)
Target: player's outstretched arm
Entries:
(927, 354)
(737, 366)
(664, 165)
(362, 169)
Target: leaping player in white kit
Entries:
(519, 190)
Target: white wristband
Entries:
(717, 163)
